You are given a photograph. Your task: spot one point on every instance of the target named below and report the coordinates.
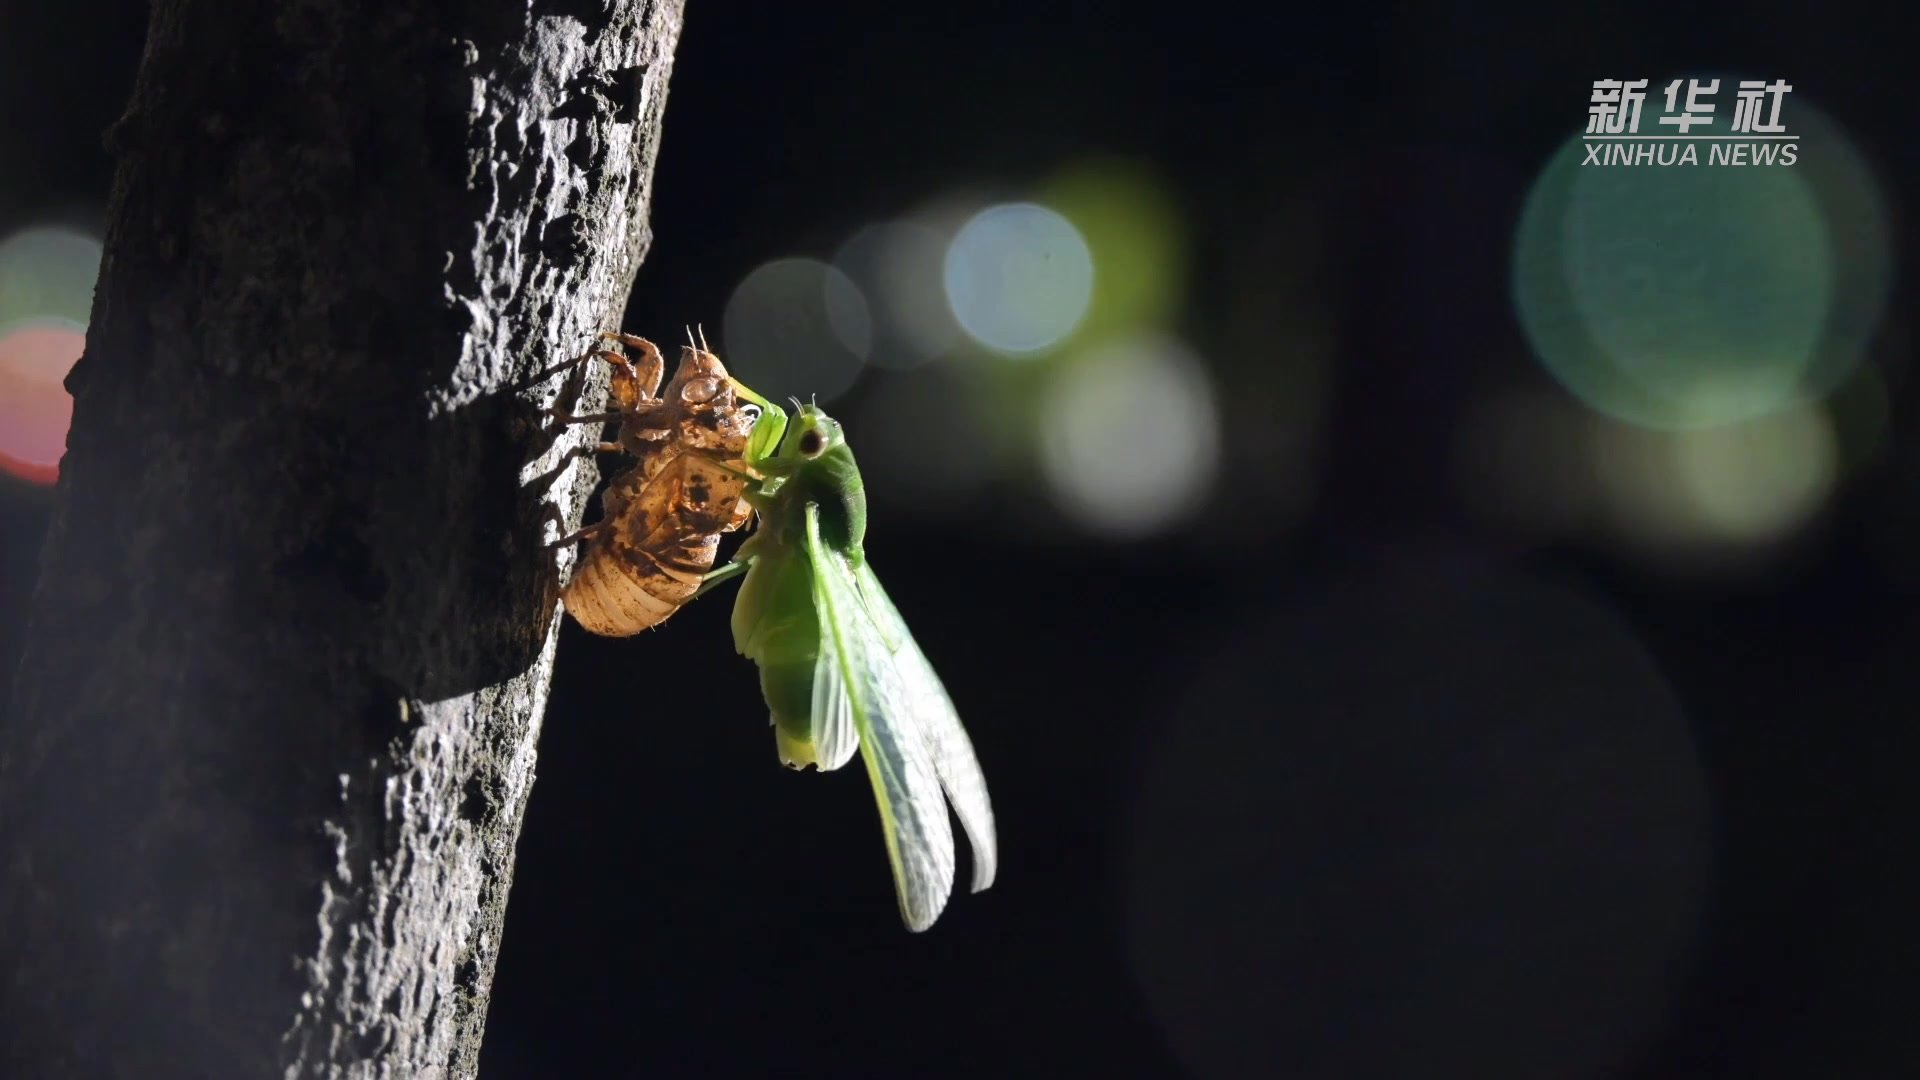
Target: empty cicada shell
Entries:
(662, 518)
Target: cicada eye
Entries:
(700, 391)
(812, 442)
(751, 412)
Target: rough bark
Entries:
(274, 729)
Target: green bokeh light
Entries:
(46, 276)
(1134, 233)
(1685, 296)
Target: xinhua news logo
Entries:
(1756, 137)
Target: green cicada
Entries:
(838, 667)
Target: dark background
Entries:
(1377, 785)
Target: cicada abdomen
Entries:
(662, 536)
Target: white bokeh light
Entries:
(1019, 278)
(47, 272)
(898, 266)
(797, 327)
(1752, 483)
(1130, 437)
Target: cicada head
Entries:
(710, 415)
(814, 464)
(809, 441)
(812, 436)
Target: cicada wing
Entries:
(939, 723)
(835, 737)
(913, 812)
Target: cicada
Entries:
(838, 667)
(661, 519)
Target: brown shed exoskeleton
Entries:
(662, 518)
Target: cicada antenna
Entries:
(702, 330)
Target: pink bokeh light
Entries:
(34, 407)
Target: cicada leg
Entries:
(570, 419)
(579, 452)
(568, 365)
(719, 577)
(586, 533)
(631, 341)
(564, 365)
(595, 448)
(636, 383)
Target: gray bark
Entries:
(274, 729)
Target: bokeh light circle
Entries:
(1437, 820)
(47, 272)
(898, 265)
(47, 275)
(1747, 484)
(1136, 236)
(797, 327)
(1130, 436)
(1019, 278)
(1685, 296)
(35, 408)
(1763, 478)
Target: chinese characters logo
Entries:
(1757, 135)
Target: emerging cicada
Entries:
(662, 518)
(839, 669)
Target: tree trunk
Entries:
(274, 728)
